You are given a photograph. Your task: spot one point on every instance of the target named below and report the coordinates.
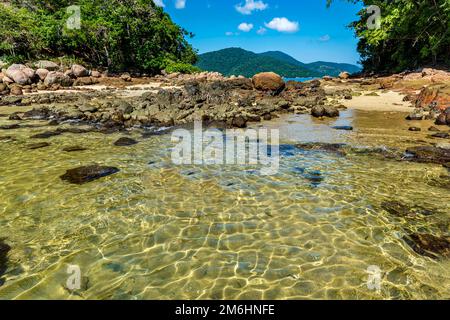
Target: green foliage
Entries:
(181, 67)
(118, 34)
(413, 33)
(236, 61)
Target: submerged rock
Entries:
(124, 142)
(401, 210)
(10, 126)
(87, 174)
(38, 145)
(4, 250)
(74, 149)
(441, 135)
(429, 245)
(337, 148)
(428, 154)
(45, 135)
(414, 129)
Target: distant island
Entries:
(237, 61)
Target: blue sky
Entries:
(305, 29)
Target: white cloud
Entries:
(250, 6)
(261, 31)
(229, 33)
(180, 4)
(283, 25)
(245, 27)
(325, 38)
(159, 3)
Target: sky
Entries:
(304, 29)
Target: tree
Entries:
(413, 33)
(118, 34)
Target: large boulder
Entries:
(56, 77)
(79, 71)
(20, 74)
(48, 65)
(268, 81)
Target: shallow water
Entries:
(159, 231)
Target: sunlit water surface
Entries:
(159, 231)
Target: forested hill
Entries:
(237, 61)
(118, 34)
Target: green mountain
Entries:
(237, 61)
(333, 69)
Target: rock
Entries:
(38, 145)
(20, 74)
(87, 174)
(331, 111)
(79, 71)
(85, 81)
(429, 245)
(347, 128)
(447, 165)
(344, 75)
(434, 129)
(239, 122)
(45, 135)
(428, 154)
(337, 148)
(48, 65)
(60, 78)
(401, 210)
(327, 78)
(414, 129)
(96, 74)
(427, 96)
(441, 135)
(7, 80)
(126, 77)
(15, 117)
(74, 149)
(42, 73)
(4, 250)
(10, 126)
(124, 142)
(268, 81)
(16, 91)
(441, 120)
(4, 89)
(88, 108)
(318, 111)
(416, 115)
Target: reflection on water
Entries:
(157, 231)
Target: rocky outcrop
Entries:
(428, 154)
(268, 81)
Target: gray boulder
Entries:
(45, 64)
(79, 71)
(55, 77)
